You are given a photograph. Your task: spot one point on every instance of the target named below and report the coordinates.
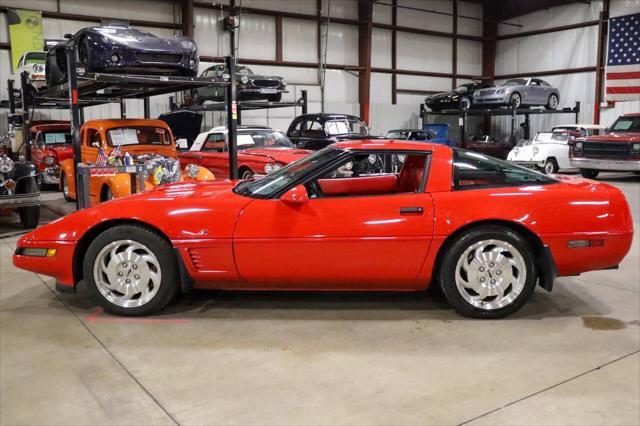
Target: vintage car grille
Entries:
(606, 149)
(159, 58)
(266, 83)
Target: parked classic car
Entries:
(261, 150)
(314, 225)
(250, 86)
(488, 145)
(33, 64)
(617, 150)
(50, 144)
(519, 92)
(18, 187)
(409, 134)
(148, 142)
(459, 98)
(549, 151)
(120, 48)
(316, 131)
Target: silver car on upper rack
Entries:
(519, 92)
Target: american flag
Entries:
(117, 151)
(623, 60)
(102, 157)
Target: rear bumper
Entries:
(606, 164)
(19, 200)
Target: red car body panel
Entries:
(229, 241)
(253, 159)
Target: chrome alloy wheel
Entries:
(553, 102)
(549, 167)
(490, 274)
(127, 273)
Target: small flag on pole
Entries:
(102, 157)
(117, 151)
(623, 59)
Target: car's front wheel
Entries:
(515, 100)
(64, 184)
(131, 270)
(488, 272)
(551, 166)
(552, 102)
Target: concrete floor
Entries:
(569, 357)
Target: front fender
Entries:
(204, 174)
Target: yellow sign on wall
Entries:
(25, 33)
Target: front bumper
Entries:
(605, 164)
(19, 200)
(51, 175)
(492, 99)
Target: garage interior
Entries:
(571, 356)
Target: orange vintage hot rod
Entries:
(148, 142)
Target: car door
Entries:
(370, 237)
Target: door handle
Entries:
(411, 210)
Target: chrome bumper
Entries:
(605, 164)
(51, 175)
(528, 164)
(19, 200)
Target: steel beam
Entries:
(365, 15)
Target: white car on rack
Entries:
(34, 64)
(549, 151)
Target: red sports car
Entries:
(261, 150)
(50, 145)
(361, 215)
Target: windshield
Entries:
(35, 58)
(515, 82)
(272, 183)
(139, 135)
(549, 137)
(397, 134)
(346, 126)
(52, 138)
(262, 139)
(123, 32)
(626, 124)
(463, 88)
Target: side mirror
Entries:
(95, 144)
(295, 196)
(68, 35)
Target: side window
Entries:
(215, 142)
(314, 128)
(94, 136)
(296, 128)
(365, 174)
(472, 170)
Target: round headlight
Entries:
(192, 62)
(268, 168)
(6, 164)
(50, 160)
(579, 145)
(244, 79)
(635, 147)
(38, 68)
(115, 58)
(192, 170)
(536, 150)
(284, 82)
(276, 167)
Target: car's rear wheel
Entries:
(551, 166)
(589, 173)
(131, 270)
(85, 55)
(64, 184)
(552, 102)
(488, 272)
(515, 100)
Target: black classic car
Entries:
(316, 131)
(18, 186)
(121, 48)
(409, 134)
(250, 86)
(459, 98)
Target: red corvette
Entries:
(361, 215)
(261, 150)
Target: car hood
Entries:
(438, 96)
(614, 137)
(62, 152)
(172, 44)
(281, 155)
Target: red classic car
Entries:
(261, 150)
(50, 145)
(319, 224)
(616, 150)
(488, 145)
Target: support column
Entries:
(365, 29)
(603, 28)
(454, 46)
(394, 52)
(232, 118)
(489, 33)
(187, 17)
(75, 122)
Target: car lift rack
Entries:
(494, 112)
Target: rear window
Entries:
(472, 170)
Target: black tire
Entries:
(515, 100)
(454, 250)
(465, 103)
(64, 187)
(161, 249)
(29, 216)
(85, 55)
(589, 173)
(551, 166)
(246, 174)
(552, 102)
